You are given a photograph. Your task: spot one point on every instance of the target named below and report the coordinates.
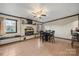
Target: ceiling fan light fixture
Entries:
(39, 12)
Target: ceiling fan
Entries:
(39, 13)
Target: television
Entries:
(29, 21)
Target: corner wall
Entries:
(63, 27)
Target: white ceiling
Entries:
(55, 10)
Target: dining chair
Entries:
(74, 38)
(42, 38)
(52, 37)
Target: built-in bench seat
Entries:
(5, 40)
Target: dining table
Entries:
(47, 35)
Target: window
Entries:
(11, 26)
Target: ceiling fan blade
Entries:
(33, 13)
(43, 15)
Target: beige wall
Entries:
(20, 30)
(63, 27)
(20, 26)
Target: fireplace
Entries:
(29, 31)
